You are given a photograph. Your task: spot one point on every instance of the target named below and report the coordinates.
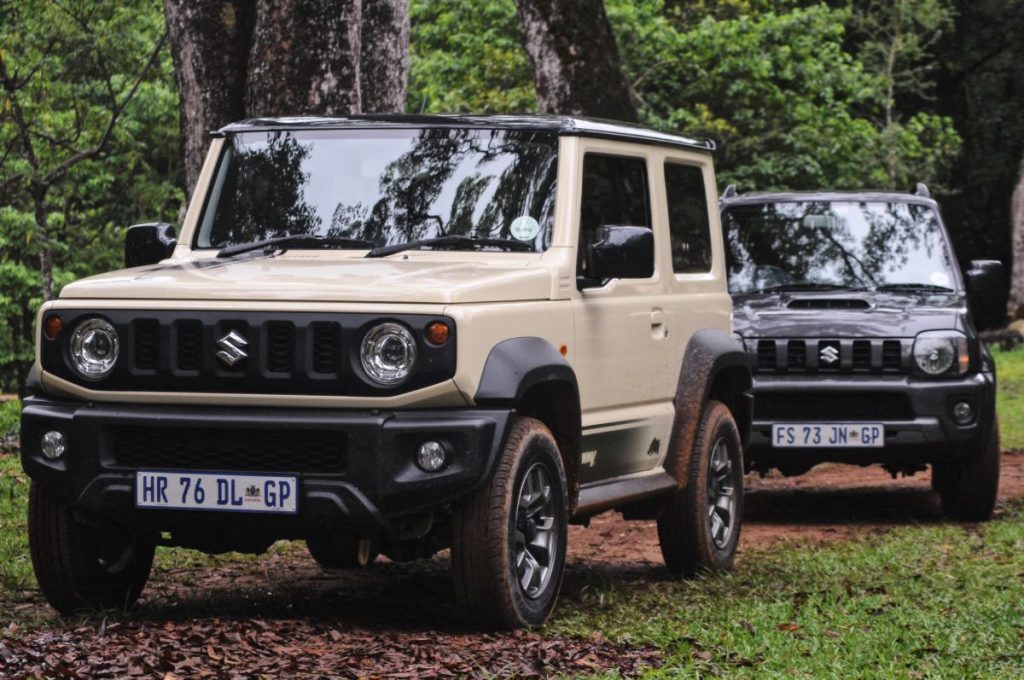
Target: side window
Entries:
(614, 193)
(688, 219)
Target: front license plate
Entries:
(828, 435)
(223, 492)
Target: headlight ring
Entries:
(94, 348)
(388, 353)
(938, 353)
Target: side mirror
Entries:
(986, 293)
(148, 243)
(985, 278)
(619, 252)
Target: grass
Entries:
(1010, 398)
(937, 602)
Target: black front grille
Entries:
(229, 450)
(189, 336)
(326, 347)
(280, 346)
(254, 352)
(812, 406)
(147, 344)
(861, 355)
(892, 353)
(766, 355)
(828, 355)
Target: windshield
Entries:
(828, 244)
(384, 187)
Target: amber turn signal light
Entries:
(437, 333)
(52, 326)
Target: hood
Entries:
(846, 315)
(301, 277)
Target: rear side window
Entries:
(688, 219)
(614, 193)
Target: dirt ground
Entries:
(830, 503)
(282, 615)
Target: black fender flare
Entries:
(715, 365)
(511, 374)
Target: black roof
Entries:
(564, 125)
(824, 196)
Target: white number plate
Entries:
(828, 435)
(216, 491)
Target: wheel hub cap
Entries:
(721, 495)
(535, 540)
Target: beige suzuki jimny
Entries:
(399, 335)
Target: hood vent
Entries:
(829, 303)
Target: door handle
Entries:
(658, 329)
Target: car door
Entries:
(622, 339)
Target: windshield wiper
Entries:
(895, 287)
(295, 241)
(452, 241)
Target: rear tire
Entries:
(969, 487)
(341, 550)
(81, 567)
(699, 527)
(509, 539)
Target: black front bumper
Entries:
(363, 476)
(920, 430)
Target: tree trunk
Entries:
(384, 60)
(1017, 234)
(210, 47)
(574, 58)
(304, 58)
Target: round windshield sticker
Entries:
(940, 279)
(524, 228)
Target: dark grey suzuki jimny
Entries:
(857, 321)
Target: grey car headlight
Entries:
(94, 348)
(941, 353)
(388, 353)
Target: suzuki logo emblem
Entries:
(232, 348)
(829, 354)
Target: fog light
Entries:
(962, 412)
(53, 444)
(431, 456)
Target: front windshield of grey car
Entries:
(383, 187)
(830, 244)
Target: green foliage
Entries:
(70, 67)
(1010, 398)
(467, 57)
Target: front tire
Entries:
(80, 567)
(969, 487)
(509, 539)
(699, 528)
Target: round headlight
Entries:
(935, 355)
(94, 348)
(388, 353)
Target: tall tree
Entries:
(1017, 229)
(238, 58)
(210, 45)
(305, 58)
(575, 59)
(384, 55)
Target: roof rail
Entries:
(730, 191)
(922, 190)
